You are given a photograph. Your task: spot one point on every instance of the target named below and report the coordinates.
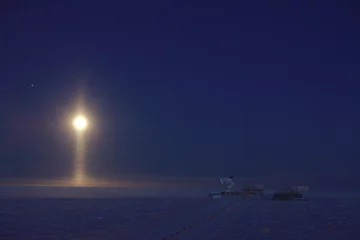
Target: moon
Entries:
(80, 123)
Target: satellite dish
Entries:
(227, 182)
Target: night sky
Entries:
(177, 88)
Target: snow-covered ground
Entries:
(178, 218)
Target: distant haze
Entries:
(152, 186)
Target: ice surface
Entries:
(192, 218)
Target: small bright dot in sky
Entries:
(32, 85)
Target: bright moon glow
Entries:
(80, 123)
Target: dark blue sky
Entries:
(249, 88)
